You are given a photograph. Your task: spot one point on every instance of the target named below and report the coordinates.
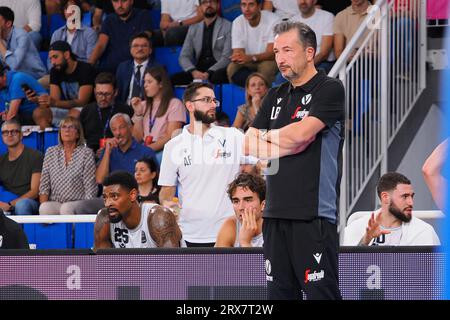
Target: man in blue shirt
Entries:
(117, 29)
(13, 100)
(16, 47)
(122, 151)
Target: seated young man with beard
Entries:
(125, 224)
(393, 224)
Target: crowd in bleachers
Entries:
(109, 77)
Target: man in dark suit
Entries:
(207, 48)
(130, 73)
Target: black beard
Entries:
(210, 14)
(115, 219)
(398, 214)
(203, 117)
(63, 66)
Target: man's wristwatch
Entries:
(180, 22)
(255, 59)
(11, 207)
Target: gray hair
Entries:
(121, 115)
(306, 35)
(12, 121)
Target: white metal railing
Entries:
(383, 71)
(63, 218)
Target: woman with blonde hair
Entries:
(256, 87)
(67, 183)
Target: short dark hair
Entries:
(306, 35)
(143, 35)
(106, 78)
(249, 181)
(7, 13)
(64, 3)
(122, 178)
(191, 90)
(389, 182)
(257, 1)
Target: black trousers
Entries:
(301, 256)
(185, 78)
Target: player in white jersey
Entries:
(247, 193)
(394, 224)
(125, 224)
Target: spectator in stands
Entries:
(393, 224)
(130, 73)
(321, 22)
(13, 99)
(118, 27)
(252, 43)
(119, 224)
(160, 114)
(52, 7)
(12, 235)
(16, 47)
(256, 88)
(105, 7)
(95, 117)
(122, 151)
(202, 161)
(20, 171)
(432, 173)
(71, 82)
(27, 17)
(247, 193)
(82, 39)
(207, 48)
(347, 23)
(43, 117)
(176, 17)
(146, 174)
(284, 9)
(68, 175)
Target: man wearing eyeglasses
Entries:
(95, 117)
(201, 161)
(20, 172)
(130, 73)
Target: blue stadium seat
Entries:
(86, 20)
(156, 18)
(50, 139)
(56, 22)
(44, 57)
(230, 9)
(84, 235)
(168, 56)
(232, 97)
(44, 27)
(32, 140)
(49, 236)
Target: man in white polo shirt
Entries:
(321, 22)
(252, 43)
(202, 161)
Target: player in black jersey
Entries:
(300, 126)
